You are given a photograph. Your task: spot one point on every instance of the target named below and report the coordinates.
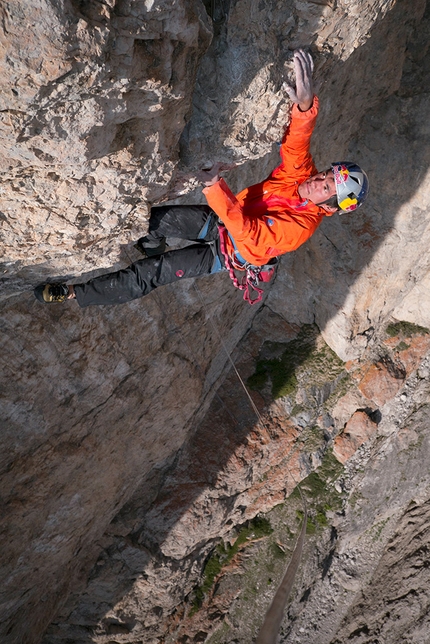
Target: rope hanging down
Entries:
(270, 629)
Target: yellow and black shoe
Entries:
(50, 293)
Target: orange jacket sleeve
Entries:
(222, 201)
(270, 218)
(295, 147)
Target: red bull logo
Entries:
(348, 204)
(341, 174)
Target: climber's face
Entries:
(318, 188)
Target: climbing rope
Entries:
(270, 629)
(171, 330)
(221, 341)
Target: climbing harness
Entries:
(253, 275)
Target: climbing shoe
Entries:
(50, 293)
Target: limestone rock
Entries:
(364, 266)
(379, 385)
(116, 485)
(93, 103)
(347, 405)
(229, 470)
(357, 431)
(93, 405)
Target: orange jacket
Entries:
(270, 218)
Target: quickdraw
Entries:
(253, 275)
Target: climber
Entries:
(262, 222)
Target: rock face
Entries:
(93, 102)
(123, 463)
(148, 581)
(360, 266)
(85, 424)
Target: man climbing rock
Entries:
(262, 222)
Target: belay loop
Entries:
(253, 275)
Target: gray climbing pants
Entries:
(194, 223)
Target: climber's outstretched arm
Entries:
(303, 93)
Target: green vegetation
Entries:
(407, 329)
(402, 346)
(355, 497)
(320, 493)
(321, 519)
(310, 526)
(282, 370)
(316, 483)
(308, 364)
(330, 468)
(220, 635)
(343, 385)
(312, 522)
(305, 358)
(313, 486)
(267, 559)
(258, 380)
(223, 554)
(377, 529)
(278, 552)
(312, 438)
(296, 410)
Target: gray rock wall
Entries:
(93, 101)
(106, 108)
(92, 402)
(364, 268)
